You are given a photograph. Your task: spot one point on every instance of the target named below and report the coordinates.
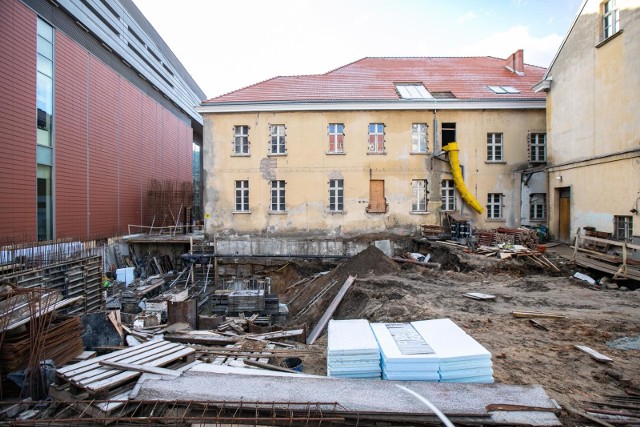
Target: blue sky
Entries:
(229, 44)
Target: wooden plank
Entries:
(116, 356)
(610, 242)
(594, 354)
(330, 310)
(85, 355)
(583, 414)
(140, 368)
(528, 314)
(100, 373)
(69, 368)
(40, 311)
(520, 408)
(276, 334)
(201, 339)
(128, 375)
(269, 366)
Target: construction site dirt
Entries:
(538, 348)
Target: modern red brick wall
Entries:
(71, 109)
(17, 121)
(110, 139)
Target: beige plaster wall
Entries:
(592, 113)
(594, 102)
(599, 190)
(306, 169)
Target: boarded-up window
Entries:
(377, 201)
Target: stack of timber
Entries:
(620, 263)
(62, 342)
(510, 236)
(113, 376)
(505, 251)
(352, 350)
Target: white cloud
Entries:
(537, 50)
(467, 17)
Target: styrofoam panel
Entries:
(466, 373)
(478, 380)
(351, 335)
(449, 341)
(466, 364)
(409, 366)
(410, 376)
(390, 351)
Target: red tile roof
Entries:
(373, 79)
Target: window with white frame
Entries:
(610, 19)
(241, 139)
(622, 227)
(494, 206)
(242, 196)
(448, 195)
(376, 138)
(336, 138)
(537, 206)
(419, 203)
(278, 136)
(277, 196)
(537, 147)
(494, 147)
(419, 138)
(336, 195)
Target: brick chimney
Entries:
(515, 63)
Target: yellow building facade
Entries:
(593, 111)
(340, 167)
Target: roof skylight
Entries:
(413, 91)
(503, 89)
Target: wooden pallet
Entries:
(91, 376)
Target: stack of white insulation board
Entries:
(431, 350)
(352, 350)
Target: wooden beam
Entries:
(528, 314)
(268, 366)
(140, 368)
(315, 333)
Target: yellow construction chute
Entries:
(452, 149)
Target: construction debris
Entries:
(599, 357)
(358, 400)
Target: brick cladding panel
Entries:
(148, 152)
(103, 149)
(17, 121)
(71, 138)
(170, 155)
(128, 132)
(131, 156)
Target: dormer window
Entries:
(412, 91)
(502, 90)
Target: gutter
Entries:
(431, 104)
